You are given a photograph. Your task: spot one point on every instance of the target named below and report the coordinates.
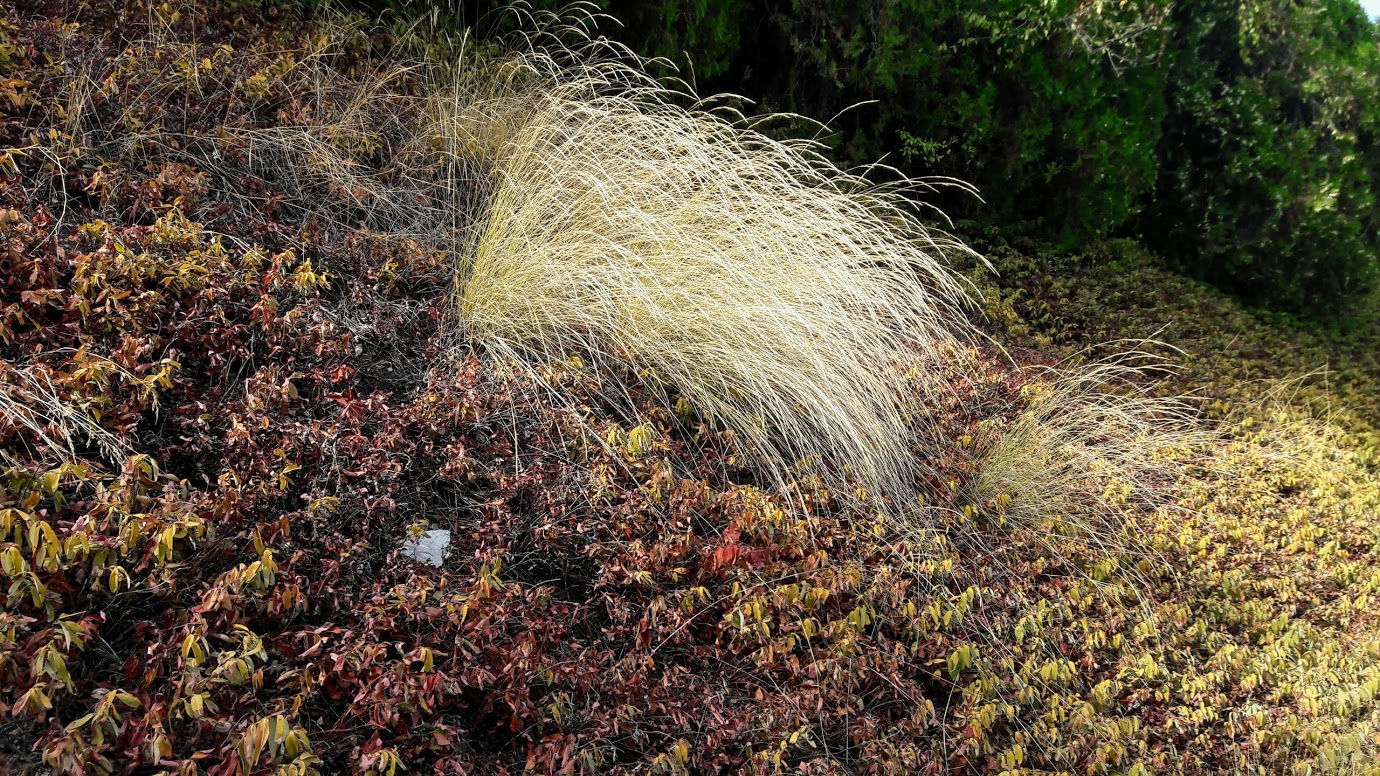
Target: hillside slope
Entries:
(224, 410)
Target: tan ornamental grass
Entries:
(633, 226)
(1095, 446)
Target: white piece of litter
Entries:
(429, 548)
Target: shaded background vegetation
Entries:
(1236, 139)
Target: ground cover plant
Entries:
(1274, 535)
(258, 327)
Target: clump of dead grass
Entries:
(1093, 444)
(53, 427)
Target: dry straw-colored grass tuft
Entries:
(1095, 445)
(780, 296)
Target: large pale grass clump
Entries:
(594, 210)
(783, 298)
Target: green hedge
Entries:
(1269, 163)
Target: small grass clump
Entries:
(35, 413)
(1092, 442)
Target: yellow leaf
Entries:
(35, 702)
(116, 574)
(12, 562)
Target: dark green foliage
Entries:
(1024, 101)
(1247, 131)
(1269, 159)
(709, 31)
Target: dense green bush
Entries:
(1027, 101)
(705, 35)
(1269, 159)
(1244, 132)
